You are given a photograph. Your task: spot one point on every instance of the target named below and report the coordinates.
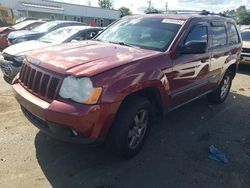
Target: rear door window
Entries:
(233, 37)
(219, 35)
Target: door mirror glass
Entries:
(193, 48)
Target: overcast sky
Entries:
(138, 6)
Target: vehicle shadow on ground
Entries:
(175, 154)
(244, 69)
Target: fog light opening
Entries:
(74, 132)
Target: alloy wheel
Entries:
(138, 129)
(225, 87)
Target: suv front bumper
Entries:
(63, 120)
(245, 58)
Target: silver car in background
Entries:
(12, 57)
(245, 54)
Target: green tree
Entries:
(151, 10)
(243, 15)
(105, 4)
(231, 13)
(125, 11)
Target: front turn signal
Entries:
(96, 93)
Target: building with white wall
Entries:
(48, 9)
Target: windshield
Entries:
(245, 35)
(22, 25)
(59, 35)
(149, 33)
(45, 27)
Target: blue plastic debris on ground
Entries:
(217, 155)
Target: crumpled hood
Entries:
(21, 48)
(246, 44)
(22, 33)
(86, 58)
(3, 29)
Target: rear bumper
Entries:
(91, 122)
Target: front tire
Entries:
(130, 127)
(220, 94)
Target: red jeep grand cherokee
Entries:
(110, 88)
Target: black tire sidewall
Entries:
(122, 124)
(215, 96)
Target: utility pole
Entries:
(149, 4)
(166, 7)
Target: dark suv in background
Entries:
(109, 89)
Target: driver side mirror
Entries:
(99, 32)
(193, 48)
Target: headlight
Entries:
(19, 59)
(80, 90)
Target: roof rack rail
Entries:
(205, 12)
(194, 12)
(156, 12)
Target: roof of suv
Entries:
(186, 17)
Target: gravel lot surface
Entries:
(175, 154)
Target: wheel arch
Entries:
(151, 93)
(233, 69)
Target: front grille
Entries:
(246, 50)
(40, 82)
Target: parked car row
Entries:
(37, 32)
(110, 88)
(47, 34)
(26, 25)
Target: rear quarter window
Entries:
(233, 36)
(219, 36)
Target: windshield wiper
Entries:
(45, 41)
(122, 43)
(113, 42)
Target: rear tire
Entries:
(220, 94)
(130, 127)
